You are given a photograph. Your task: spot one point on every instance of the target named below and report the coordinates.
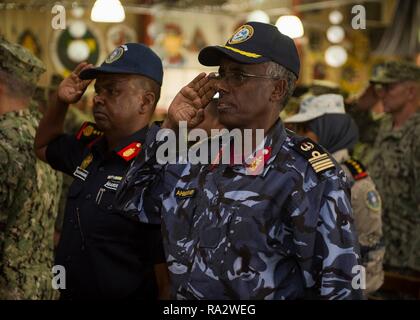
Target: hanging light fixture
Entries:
(335, 56)
(290, 26)
(107, 11)
(335, 34)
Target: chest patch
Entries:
(81, 171)
(112, 182)
(184, 193)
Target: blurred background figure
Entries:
(29, 189)
(367, 111)
(323, 119)
(396, 171)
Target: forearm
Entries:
(50, 126)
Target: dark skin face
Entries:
(255, 103)
(122, 105)
(394, 96)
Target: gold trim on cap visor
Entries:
(244, 53)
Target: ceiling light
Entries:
(107, 11)
(290, 26)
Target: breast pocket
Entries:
(105, 199)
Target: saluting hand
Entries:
(188, 105)
(72, 88)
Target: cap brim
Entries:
(373, 81)
(300, 117)
(211, 56)
(94, 72)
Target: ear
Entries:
(280, 88)
(413, 91)
(147, 102)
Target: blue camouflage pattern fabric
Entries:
(284, 234)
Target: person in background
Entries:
(29, 189)
(396, 165)
(323, 119)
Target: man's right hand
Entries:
(72, 88)
(188, 105)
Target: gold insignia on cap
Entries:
(242, 34)
(115, 55)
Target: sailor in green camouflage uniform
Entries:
(29, 189)
(396, 165)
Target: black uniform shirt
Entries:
(105, 255)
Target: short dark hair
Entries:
(16, 87)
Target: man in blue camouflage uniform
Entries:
(286, 233)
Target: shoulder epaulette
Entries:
(88, 132)
(357, 169)
(318, 158)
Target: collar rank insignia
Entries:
(319, 160)
(184, 193)
(130, 151)
(88, 133)
(357, 169)
(256, 166)
(81, 171)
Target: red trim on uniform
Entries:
(130, 151)
(79, 134)
(361, 176)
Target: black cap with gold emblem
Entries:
(130, 58)
(255, 42)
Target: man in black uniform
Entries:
(105, 255)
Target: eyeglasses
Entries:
(235, 78)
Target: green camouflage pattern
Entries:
(29, 195)
(395, 71)
(396, 172)
(20, 62)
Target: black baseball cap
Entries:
(255, 42)
(129, 58)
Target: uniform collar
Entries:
(127, 149)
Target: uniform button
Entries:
(101, 169)
(229, 245)
(88, 196)
(231, 231)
